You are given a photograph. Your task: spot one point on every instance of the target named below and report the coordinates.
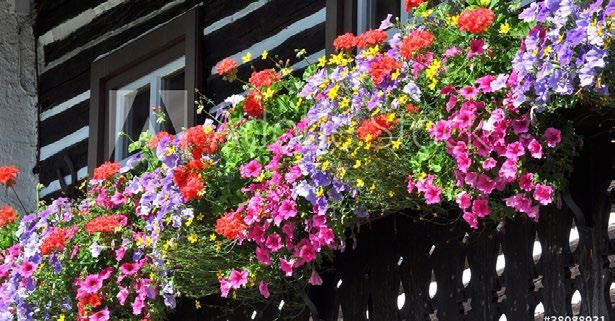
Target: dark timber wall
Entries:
(229, 28)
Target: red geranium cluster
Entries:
(8, 174)
(411, 4)
(106, 224)
(230, 225)
(188, 181)
(157, 138)
(202, 140)
(253, 106)
(475, 20)
(382, 66)
(371, 129)
(264, 78)
(7, 216)
(346, 41)
(53, 242)
(227, 67)
(371, 38)
(106, 170)
(414, 42)
(87, 303)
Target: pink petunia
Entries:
(489, 163)
(91, 284)
(130, 268)
(411, 184)
(469, 92)
(238, 279)
(315, 278)
(476, 48)
(432, 195)
(122, 295)
(102, 315)
(274, 242)
(287, 266)
(463, 200)
(441, 130)
(251, 169)
(471, 219)
(484, 83)
(263, 256)
(526, 182)
(264, 290)
(521, 125)
(553, 136)
(307, 253)
(543, 194)
(288, 209)
(535, 148)
(480, 208)
(484, 184)
(27, 269)
(514, 150)
(225, 287)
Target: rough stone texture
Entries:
(18, 109)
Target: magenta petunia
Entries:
(251, 169)
(553, 136)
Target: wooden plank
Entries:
(311, 39)
(51, 13)
(263, 23)
(65, 123)
(78, 153)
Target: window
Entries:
(152, 77)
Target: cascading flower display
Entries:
(455, 109)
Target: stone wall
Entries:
(18, 100)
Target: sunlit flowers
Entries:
(8, 174)
(475, 20)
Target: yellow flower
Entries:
(341, 172)
(372, 188)
(320, 192)
(395, 144)
(428, 125)
(286, 71)
(247, 57)
(485, 3)
(61, 317)
(345, 102)
(218, 246)
(433, 84)
(268, 93)
(212, 237)
(357, 164)
(402, 100)
(192, 238)
(322, 61)
(427, 13)
(360, 183)
(332, 94)
(188, 222)
(148, 241)
(220, 274)
(547, 51)
(197, 304)
(504, 28)
(325, 165)
(200, 217)
(395, 74)
(264, 54)
(452, 20)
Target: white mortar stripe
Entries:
(276, 40)
(65, 105)
(235, 16)
(71, 25)
(64, 142)
(55, 185)
(109, 34)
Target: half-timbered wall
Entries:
(71, 34)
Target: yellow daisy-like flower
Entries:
(402, 99)
(200, 216)
(428, 125)
(357, 164)
(192, 238)
(325, 165)
(391, 193)
(332, 94)
(485, 3)
(360, 183)
(188, 222)
(396, 144)
(268, 93)
(220, 274)
(61, 317)
(212, 237)
(247, 57)
(320, 192)
(504, 28)
(264, 54)
(341, 172)
(322, 61)
(197, 304)
(452, 20)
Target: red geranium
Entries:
(346, 41)
(475, 20)
(253, 106)
(227, 68)
(7, 216)
(411, 108)
(106, 224)
(89, 301)
(188, 182)
(414, 42)
(371, 38)
(53, 242)
(381, 67)
(201, 140)
(411, 4)
(157, 138)
(106, 170)
(264, 78)
(230, 225)
(8, 174)
(371, 129)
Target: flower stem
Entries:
(25, 211)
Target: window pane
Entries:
(174, 100)
(136, 118)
